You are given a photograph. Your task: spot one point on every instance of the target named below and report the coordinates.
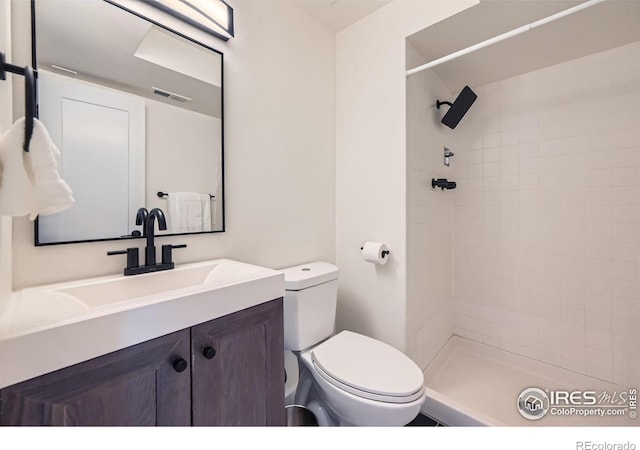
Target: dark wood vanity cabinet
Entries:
(134, 386)
(228, 371)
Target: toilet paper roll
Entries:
(375, 252)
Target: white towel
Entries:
(30, 181)
(189, 212)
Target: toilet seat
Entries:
(368, 368)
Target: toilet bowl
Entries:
(346, 378)
(291, 371)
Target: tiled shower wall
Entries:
(547, 216)
(429, 219)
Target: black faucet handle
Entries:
(132, 256)
(167, 256)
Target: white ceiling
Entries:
(601, 27)
(102, 43)
(338, 14)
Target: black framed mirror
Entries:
(136, 110)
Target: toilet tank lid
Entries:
(308, 275)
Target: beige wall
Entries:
(6, 112)
(279, 75)
(183, 154)
(429, 217)
(370, 163)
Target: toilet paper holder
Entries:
(385, 253)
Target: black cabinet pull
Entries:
(209, 352)
(179, 365)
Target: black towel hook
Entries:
(29, 95)
(30, 106)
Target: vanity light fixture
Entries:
(211, 16)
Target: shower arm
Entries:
(439, 104)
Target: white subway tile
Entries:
(574, 161)
(599, 141)
(599, 359)
(599, 303)
(529, 165)
(627, 81)
(574, 351)
(625, 251)
(599, 214)
(546, 229)
(509, 167)
(599, 340)
(599, 196)
(571, 179)
(510, 137)
(574, 196)
(550, 147)
(600, 373)
(491, 140)
(509, 182)
(626, 176)
(491, 154)
(599, 230)
(626, 119)
(491, 169)
(601, 159)
(529, 134)
(551, 163)
(625, 59)
(629, 214)
(599, 177)
(598, 322)
(627, 138)
(625, 270)
(509, 152)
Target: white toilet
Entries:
(347, 378)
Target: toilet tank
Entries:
(309, 304)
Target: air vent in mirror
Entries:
(170, 95)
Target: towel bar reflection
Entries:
(161, 194)
(29, 95)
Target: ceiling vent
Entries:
(170, 95)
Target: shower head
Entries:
(459, 107)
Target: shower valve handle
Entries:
(443, 183)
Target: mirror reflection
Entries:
(136, 111)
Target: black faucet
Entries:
(150, 250)
(148, 220)
(141, 219)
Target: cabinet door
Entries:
(243, 382)
(134, 386)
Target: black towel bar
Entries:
(29, 95)
(161, 194)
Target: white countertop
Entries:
(43, 329)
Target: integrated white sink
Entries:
(75, 321)
(109, 291)
(127, 288)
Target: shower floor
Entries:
(469, 383)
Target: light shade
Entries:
(211, 16)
